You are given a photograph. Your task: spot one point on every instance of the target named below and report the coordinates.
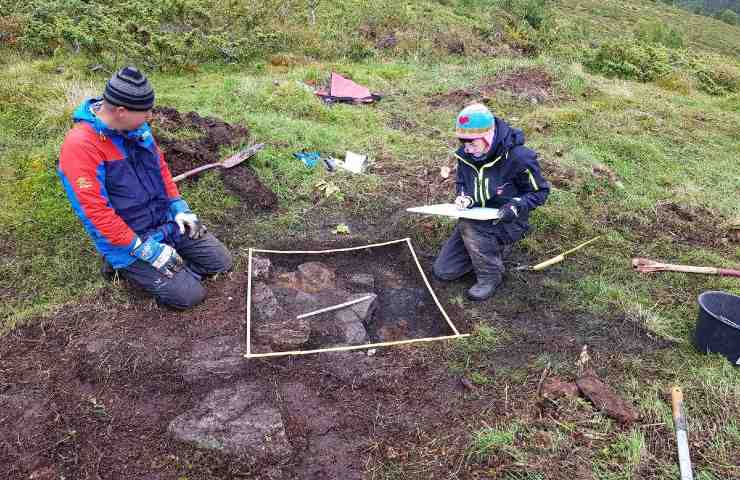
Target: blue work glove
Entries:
(509, 212)
(161, 256)
(184, 218)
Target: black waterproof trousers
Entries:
(204, 256)
(478, 246)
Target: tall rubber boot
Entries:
(484, 288)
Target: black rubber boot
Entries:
(484, 288)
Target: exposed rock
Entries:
(346, 326)
(288, 280)
(264, 303)
(217, 357)
(306, 301)
(362, 280)
(606, 399)
(315, 276)
(285, 332)
(272, 324)
(555, 387)
(238, 420)
(390, 279)
(261, 268)
(348, 329)
(365, 309)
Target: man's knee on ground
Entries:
(222, 261)
(183, 295)
(225, 262)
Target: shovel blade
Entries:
(242, 155)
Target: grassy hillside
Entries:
(634, 107)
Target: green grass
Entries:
(665, 141)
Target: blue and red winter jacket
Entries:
(118, 184)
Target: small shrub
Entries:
(678, 81)
(171, 33)
(657, 33)
(729, 17)
(718, 78)
(630, 60)
(534, 12)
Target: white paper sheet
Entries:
(450, 210)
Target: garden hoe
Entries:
(232, 161)
(557, 259)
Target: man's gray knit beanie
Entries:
(129, 88)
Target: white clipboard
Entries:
(450, 210)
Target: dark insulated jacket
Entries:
(508, 172)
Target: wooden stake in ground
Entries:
(679, 420)
(645, 265)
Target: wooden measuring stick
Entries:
(335, 307)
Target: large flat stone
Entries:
(238, 420)
(261, 268)
(316, 276)
(606, 399)
(218, 357)
(272, 324)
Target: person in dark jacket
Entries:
(120, 187)
(494, 170)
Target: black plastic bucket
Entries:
(718, 328)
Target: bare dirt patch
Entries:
(691, 225)
(533, 85)
(190, 140)
(94, 392)
(560, 176)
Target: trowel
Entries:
(229, 162)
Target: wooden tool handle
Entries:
(677, 401)
(548, 263)
(192, 172)
(682, 441)
(727, 272)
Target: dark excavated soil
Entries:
(89, 391)
(190, 141)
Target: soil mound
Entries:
(190, 140)
(534, 85)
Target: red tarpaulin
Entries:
(344, 90)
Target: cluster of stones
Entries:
(242, 416)
(276, 307)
